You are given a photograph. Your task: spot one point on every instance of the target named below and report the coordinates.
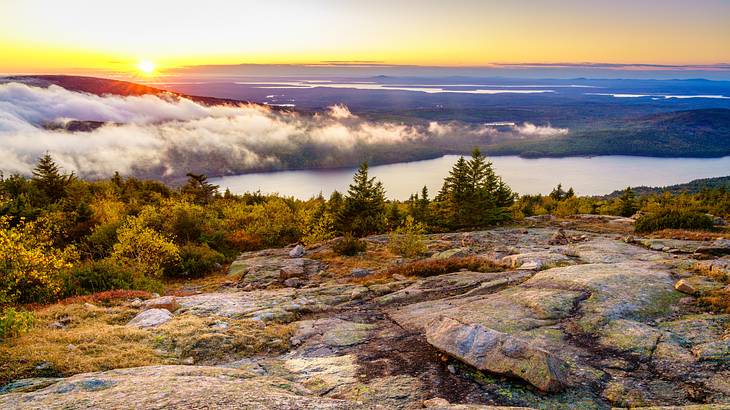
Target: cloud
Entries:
(339, 111)
(531, 130)
(165, 136)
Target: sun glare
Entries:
(146, 67)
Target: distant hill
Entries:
(694, 186)
(692, 133)
(102, 86)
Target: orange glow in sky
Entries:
(56, 36)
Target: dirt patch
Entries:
(393, 351)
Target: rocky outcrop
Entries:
(593, 322)
(173, 387)
(497, 352)
(150, 318)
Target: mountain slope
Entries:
(691, 187)
(102, 86)
(693, 133)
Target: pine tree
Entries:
(363, 212)
(199, 187)
(570, 193)
(558, 193)
(473, 195)
(504, 194)
(394, 216)
(49, 180)
(627, 203)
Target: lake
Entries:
(587, 175)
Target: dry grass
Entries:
(94, 339)
(433, 267)
(690, 235)
(207, 341)
(106, 297)
(376, 257)
(716, 300)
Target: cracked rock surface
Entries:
(593, 322)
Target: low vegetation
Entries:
(434, 267)
(673, 219)
(62, 237)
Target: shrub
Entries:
(320, 226)
(243, 241)
(102, 239)
(673, 219)
(274, 222)
(14, 322)
(348, 245)
(434, 267)
(407, 239)
(29, 263)
(195, 261)
(144, 249)
(98, 276)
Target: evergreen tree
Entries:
(335, 204)
(627, 203)
(363, 211)
(570, 193)
(199, 187)
(418, 206)
(49, 180)
(505, 196)
(394, 216)
(558, 193)
(473, 195)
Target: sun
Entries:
(146, 67)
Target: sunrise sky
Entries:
(59, 36)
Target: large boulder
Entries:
(150, 318)
(297, 251)
(498, 352)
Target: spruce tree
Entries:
(394, 216)
(49, 180)
(473, 195)
(627, 203)
(363, 211)
(199, 187)
(558, 193)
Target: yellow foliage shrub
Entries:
(29, 264)
(144, 249)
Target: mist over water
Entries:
(588, 176)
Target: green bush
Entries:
(348, 245)
(195, 261)
(14, 322)
(673, 219)
(102, 239)
(97, 276)
(407, 239)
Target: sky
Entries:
(53, 36)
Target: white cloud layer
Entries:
(156, 136)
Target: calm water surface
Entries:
(588, 176)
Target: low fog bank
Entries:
(165, 137)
